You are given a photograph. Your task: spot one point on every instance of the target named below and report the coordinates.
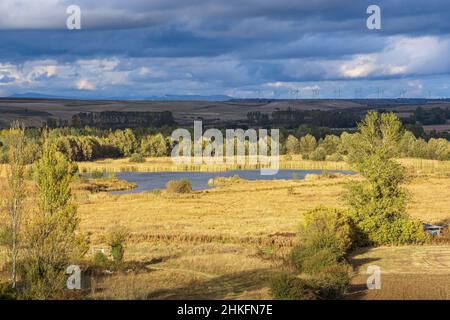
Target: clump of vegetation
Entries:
(137, 158)
(333, 281)
(154, 145)
(319, 154)
(97, 174)
(179, 186)
(7, 292)
(378, 204)
(100, 260)
(51, 239)
(292, 145)
(116, 241)
(286, 286)
(324, 240)
(336, 157)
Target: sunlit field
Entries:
(227, 242)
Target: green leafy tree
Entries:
(52, 239)
(378, 204)
(439, 149)
(308, 144)
(330, 144)
(292, 145)
(124, 140)
(154, 146)
(17, 159)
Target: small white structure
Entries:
(434, 230)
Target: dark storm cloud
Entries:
(200, 44)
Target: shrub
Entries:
(398, 231)
(100, 260)
(97, 174)
(137, 158)
(6, 292)
(332, 281)
(327, 228)
(288, 287)
(179, 186)
(325, 237)
(318, 260)
(116, 241)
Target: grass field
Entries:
(227, 242)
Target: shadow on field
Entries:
(223, 287)
(359, 262)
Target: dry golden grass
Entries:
(166, 164)
(225, 243)
(414, 166)
(237, 233)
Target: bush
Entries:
(317, 260)
(179, 186)
(97, 174)
(100, 260)
(325, 237)
(397, 231)
(6, 292)
(116, 241)
(327, 228)
(137, 158)
(288, 287)
(333, 281)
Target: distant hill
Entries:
(36, 95)
(170, 97)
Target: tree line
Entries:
(89, 144)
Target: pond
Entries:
(149, 181)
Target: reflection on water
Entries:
(149, 181)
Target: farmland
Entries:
(226, 243)
(35, 112)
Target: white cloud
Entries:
(403, 56)
(84, 84)
(40, 72)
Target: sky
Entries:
(137, 49)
